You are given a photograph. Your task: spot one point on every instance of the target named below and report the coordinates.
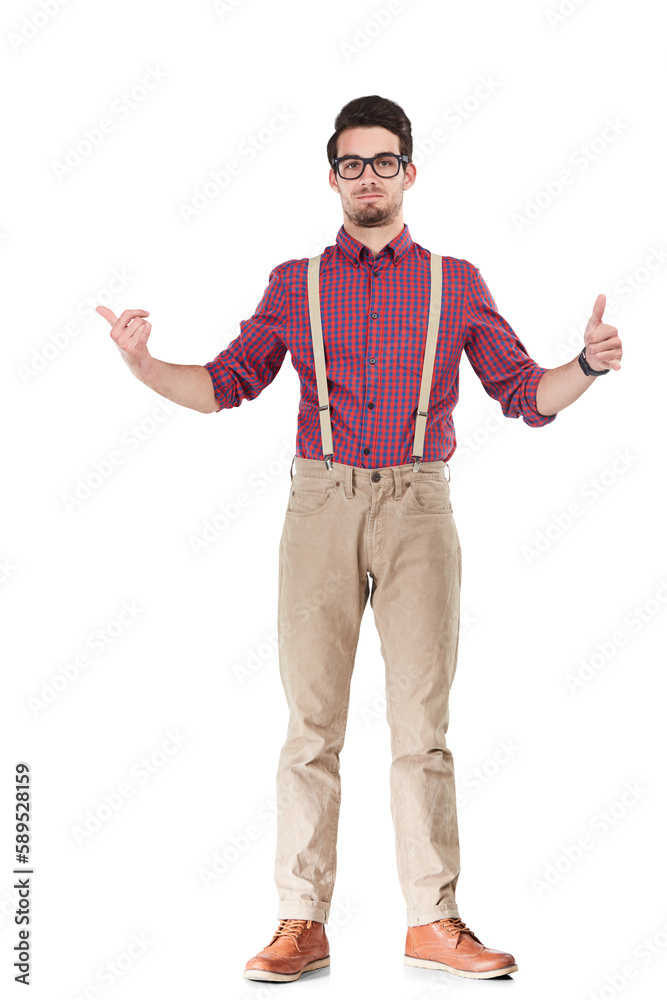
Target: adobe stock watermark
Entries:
(473, 781)
(219, 179)
(364, 34)
(376, 708)
(131, 440)
(599, 825)
(59, 340)
(140, 773)
(562, 12)
(238, 844)
(93, 136)
(32, 24)
(229, 511)
(256, 658)
(472, 442)
(591, 491)
(97, 642)
(330, 583)
(625, 288)
(223, 7)
(7, 569)
(109, 973)
(579, 160)
(634, 621)
(455, 117)
(649, 948)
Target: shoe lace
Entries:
(454, 925)
(291, 927)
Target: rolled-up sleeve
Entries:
(498, 357)
(253, 359)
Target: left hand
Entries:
(602, 342)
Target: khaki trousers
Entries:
(341, 527)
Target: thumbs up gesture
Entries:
(602, 343)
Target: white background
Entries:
(596, 584)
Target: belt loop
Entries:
(398, 483)
(348, 481)
(291, 467)
(447, 477)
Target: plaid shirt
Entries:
(374, 321)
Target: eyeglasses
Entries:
(384, 165)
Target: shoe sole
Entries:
(426, 963)
(280, 977)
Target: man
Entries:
(376, 326)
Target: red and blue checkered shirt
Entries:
(374, 322)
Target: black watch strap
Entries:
(586, 368)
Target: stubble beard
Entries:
(371, 214)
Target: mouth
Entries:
(364, 196)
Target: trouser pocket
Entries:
(310, 495)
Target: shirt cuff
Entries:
(224, 385)
(531, 414)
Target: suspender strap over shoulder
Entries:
(318, 352)
(428, 362)
(429, 358)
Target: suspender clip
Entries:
(415, 463)
(328, 461)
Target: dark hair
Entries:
(370, 112)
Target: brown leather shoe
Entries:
(448, 944)
(300, 946)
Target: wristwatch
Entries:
(586, 368)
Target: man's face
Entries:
(370, 200)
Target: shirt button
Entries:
(376, 477)
(372, 360)
(374, 315)
(367, 451)
(371, 405)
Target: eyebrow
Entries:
(385, 152)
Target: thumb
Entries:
(598, 308)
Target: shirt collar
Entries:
(352, 247)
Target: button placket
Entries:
(368, 430)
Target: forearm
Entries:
(187, 385)
(560, 386)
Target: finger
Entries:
(602, 332)
(126, 317)
(127, 337)
(613, 344)
(119, 330)
(612, 352)
(143, 334)
(138, 337)
(107, 314)
(127, 314)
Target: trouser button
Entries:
(375, 476)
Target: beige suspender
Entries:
(318, 351)
(427, 363)
(429, 357)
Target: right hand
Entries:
(130, 331)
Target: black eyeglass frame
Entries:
(401, 157)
